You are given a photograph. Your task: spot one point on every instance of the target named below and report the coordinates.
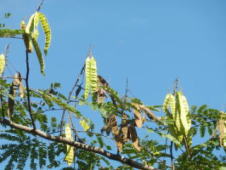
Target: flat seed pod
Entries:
(169, 103)
(30, 25)
(91, 84)
(47, 31)
(184, 112)
(2, 63)
(26, 38)
(39, 55)
(93, 71)
(69, 158)
(87, 78)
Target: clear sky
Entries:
(150, 42)
(147, 41)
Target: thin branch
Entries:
(79, 145)
(171, 156)
(69, 96)
(40, 5)
(28, 90)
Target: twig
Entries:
(40, 5)
(171, 156)
(28, 90)
(69, 96)
(79, 145)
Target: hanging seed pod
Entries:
(69, 158)
(91, 84)
(2, 63)
(184, 112)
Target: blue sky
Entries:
(149, 42)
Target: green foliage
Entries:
(10, 32)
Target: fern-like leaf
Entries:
(10, 32)
(61, 103)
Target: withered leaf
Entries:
(133, 137)
(101, 95)
(17, 82)
(139, 120)
(221, 126)
(119, 142)
(124, 128)
(111, 125)
(11, 101)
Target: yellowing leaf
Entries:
(2, 63)
(69, 158)
(84, 124)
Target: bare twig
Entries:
(171, 156)
(28, 90)
(79, 145)
(40, 5)
(69, 96)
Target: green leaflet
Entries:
(39, 55)
(61, 103)
(10, 32)
(85, 125)
(90, 77)
(47, 31)
(69, 158)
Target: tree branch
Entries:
(86, 147)
(28, 89)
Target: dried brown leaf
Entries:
(221, 126)
(134, 138)
(139, 119)
(11, 101)
(119, 142)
